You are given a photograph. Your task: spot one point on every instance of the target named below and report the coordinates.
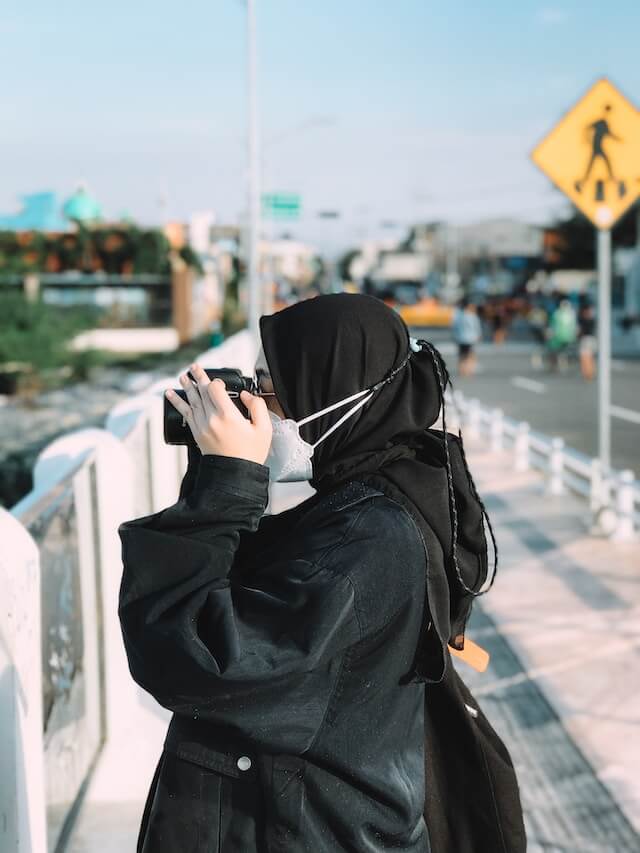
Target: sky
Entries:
(388, 112)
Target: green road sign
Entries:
(281, 205)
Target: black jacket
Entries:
(283, 645)
(279, 643)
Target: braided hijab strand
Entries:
(443, 378)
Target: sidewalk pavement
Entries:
(562, 687)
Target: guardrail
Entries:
(65, 685)
(613, 496)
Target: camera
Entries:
(177, 431)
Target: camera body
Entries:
(178, 432)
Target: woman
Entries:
(297, 650)
(467, 331)
(587, 341)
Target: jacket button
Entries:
(244, 762)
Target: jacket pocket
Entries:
(176, 818)
(230, 796)
(206, 799)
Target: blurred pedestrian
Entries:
(538, 326)
(305, 654)
(563, 333)
(499, 321)
(587, 339)
(467, 331)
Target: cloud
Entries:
(552, 16)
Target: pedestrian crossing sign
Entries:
(593, 154)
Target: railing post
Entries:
(623, 531)
(556, 467)
(595, 489)
(496, 429)
(473, 421)
(521, 447)
(603, 515)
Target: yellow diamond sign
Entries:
(593, 154)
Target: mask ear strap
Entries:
(343, 418)
(369, 392)
(331, 408)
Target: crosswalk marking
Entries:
(528, 384)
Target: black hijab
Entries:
(322, 350)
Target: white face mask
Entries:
(289, 459)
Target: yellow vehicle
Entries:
(426, 312)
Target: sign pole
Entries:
(604, 348)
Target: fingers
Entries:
(203, 383)
(193, 395)
(217, 393)
(178, 403)
(258, 411)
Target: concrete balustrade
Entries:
(22, 790)
(63, 537)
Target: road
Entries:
(561, 405)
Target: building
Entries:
(40, 211)
(43, 211)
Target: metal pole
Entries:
(604, 348)
(254, 301)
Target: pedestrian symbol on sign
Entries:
(596, 133)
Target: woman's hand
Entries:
(218, 427)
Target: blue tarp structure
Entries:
(40, 212)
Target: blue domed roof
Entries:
(81, 207)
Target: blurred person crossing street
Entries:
(563, 333)
(467, 331)
(587, 343)
(538, 319)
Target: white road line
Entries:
(625, 414)
(528, 384)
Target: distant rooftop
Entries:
(82, 207)
(43, 211)
(40, 212)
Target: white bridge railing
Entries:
(65, 687)
(613, 497)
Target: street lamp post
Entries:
(253, 269)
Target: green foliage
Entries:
(117, 250)
(233, 318)
(151, 253)
(36, 333)
(191, 259)
(82, 362)
(574, 246)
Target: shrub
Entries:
(36, 333)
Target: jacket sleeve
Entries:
(193, 462)
(206, 641)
